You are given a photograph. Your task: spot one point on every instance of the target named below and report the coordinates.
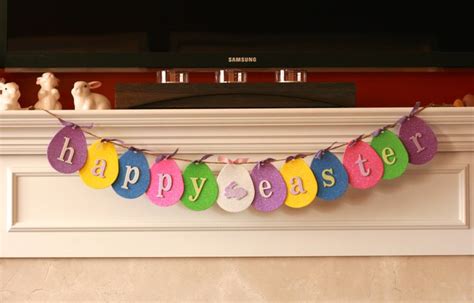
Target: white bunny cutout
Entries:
(48, 95)
(84, 99)
(9, 95)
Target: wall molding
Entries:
(29, 132)
(461, 171)
(432, 215)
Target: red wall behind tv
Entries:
(374, 89)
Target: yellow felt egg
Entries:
(102, 167)
(300, 183)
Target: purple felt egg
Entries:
(419, 139)
(67, 151)
(270, 188)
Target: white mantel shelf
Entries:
(428, 211)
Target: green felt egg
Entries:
(392, 152)
(200, 187)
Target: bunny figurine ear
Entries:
(94, 84)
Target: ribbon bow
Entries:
(297, 156)
(320, 153)
(112, 140)
(74, 125)
(166, 156)
(353, 142)
(412, 113)
(266, 161)
(206, 156)
(230, 161)
(377, 132)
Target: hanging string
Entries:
(74, 125)
(113, 140)
(335, 145)
(166, 156)
(297, 156)
(226, 160)
(354, 141)
(378, 131)
(136, 149)
(320, 153)
(203, 158)
(265, 161)
(412, 113)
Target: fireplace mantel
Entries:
(427, 211)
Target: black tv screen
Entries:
(236, 33)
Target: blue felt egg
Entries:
(331, 176)
(134, 175)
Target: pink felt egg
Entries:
(166, 185)
(364, 167)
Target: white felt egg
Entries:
(236, 190)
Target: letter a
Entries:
(65, 149)
(99, 168)
(297, 186)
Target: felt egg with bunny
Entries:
(9, 95)
(84, 99)
(236, 189)
(48, 95)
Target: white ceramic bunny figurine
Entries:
(84, 99)
(9, 95)
(48, 95)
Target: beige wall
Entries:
(347, 279)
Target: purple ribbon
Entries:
(355, 140)
(377, 132)
(297, 156)
(206, 156)
(136, 149)
(266, 161)
(74, 125)
(112, 140)
(166, 156)
(320, 153)
(411, 114)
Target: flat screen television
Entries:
(242, 34)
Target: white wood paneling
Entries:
(46, 214)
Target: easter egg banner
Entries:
(241, 184)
